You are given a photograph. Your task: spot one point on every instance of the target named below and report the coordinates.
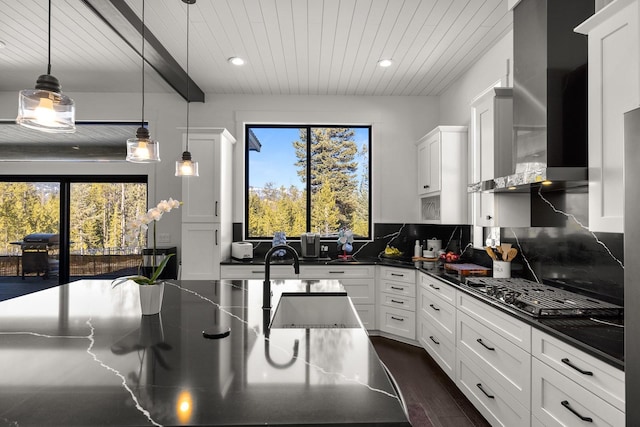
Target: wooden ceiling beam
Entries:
(126, 24)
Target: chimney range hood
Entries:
(550, 142)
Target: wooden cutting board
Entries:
(468, 269)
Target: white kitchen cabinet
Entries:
(558, 401)
(614, 88)
(442, 175)
(397, 301)
(491, 152)
(207, 204)
(436, 321)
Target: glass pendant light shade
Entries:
(142, 149)
(45, 108)
(186, 166)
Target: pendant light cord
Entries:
(49, 42)
(142, 121)
(188, 99)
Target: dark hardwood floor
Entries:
(431, 397)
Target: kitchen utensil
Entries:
(511, 254)
(505, 250)
(491, 253)
(499, 250)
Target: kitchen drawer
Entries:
(558, 401)
(398, 301)
(506, 325)
(497, 405)
(398, 288)
(398, 275)
(367, 315)
(397, 322)
(361, 291)
(598, 377)
(438, 287)
(337, 271)
(505, 362)
(438, 310)
(257, 272)
(438, 344)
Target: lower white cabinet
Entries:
(397, 301)
(201, 257)
(559, 401)
(495, 403)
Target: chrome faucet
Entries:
(266, 286)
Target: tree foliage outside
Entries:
(339, 195)
(99, 212)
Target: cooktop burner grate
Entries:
(541, 300)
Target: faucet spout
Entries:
(266, 285)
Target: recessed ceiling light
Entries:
(385, 63)
(236, 60)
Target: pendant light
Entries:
(45, 108)
(142, 149)
(186, 166)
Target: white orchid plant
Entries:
(141, 224)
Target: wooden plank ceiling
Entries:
(292, 47)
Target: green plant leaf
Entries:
(160, 268)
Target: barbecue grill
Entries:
(39, 252)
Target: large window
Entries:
(307, 179)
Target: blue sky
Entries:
(276, 160)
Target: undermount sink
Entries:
(320, 310)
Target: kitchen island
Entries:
(82, 354)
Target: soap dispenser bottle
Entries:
(417, 250)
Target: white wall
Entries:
(397, 123)
(490, 68)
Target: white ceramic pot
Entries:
(151, 298)
(502, 269)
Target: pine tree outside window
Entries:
(307, 179)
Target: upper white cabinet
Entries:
(613, 89)
(207, 229)
(491, 152)
(442, 175)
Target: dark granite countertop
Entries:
(82, 354)
(605, 342)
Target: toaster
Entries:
(241, 250)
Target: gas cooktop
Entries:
(539, 300)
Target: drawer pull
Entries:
(336, 272)
(397, 275)
(397, 318)
(397, 302)
(397, 288)
(434, 287)
(433, 339)
(484, 345)
(566, 404)
(257, 272)
(434, 307)
(568, 362)
(490, 396)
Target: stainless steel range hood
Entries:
(549, 97)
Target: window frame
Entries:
(308, 128)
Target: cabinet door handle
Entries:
(257, 272)
(397, 318)
(397, 302)
(566, 404)
(336, 272)
(216, 208)
(216, 237)
(397, 288)
(434, 307)
(425, 186)
(433, 339)
(397, 275)
(489, 217)
(434, 287)
(490, 396)
(484, 345)
(583, 372)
